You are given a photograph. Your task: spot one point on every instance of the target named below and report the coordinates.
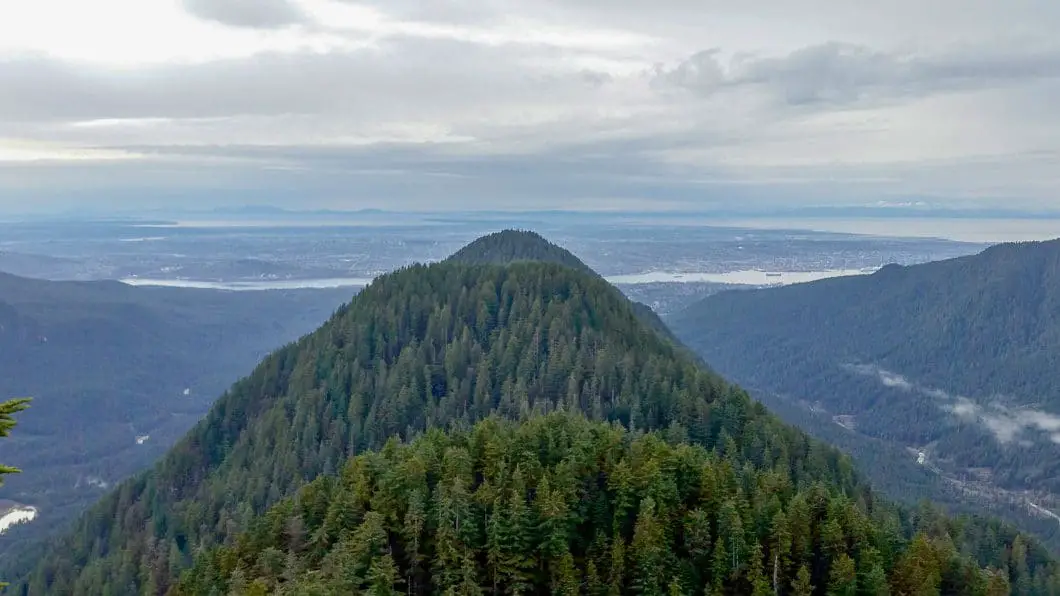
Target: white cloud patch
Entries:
(1009, 424)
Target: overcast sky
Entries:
(455, 104)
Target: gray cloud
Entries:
(558, 101)
(266, 14)
(838, 73)
(405, 78)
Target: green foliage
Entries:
(500, 507)
(428, 346)
(985, 326)
(8, 409)
(513, 246)
(509, 475)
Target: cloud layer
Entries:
(497, 103)
(1007, 423)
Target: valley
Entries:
(117, 375)
(920, 360)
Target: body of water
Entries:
(986, 231)
(250, 285)
(749, 277)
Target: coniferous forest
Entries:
(560, 505)
(956, 358)
(488, 428)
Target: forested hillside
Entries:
(957, 359)
(425, 346)
(107, 364)
(559, 505)
(444, 346)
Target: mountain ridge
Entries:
(955, 359)
(444, 346)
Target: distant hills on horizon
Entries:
(896, 210)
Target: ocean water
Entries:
(241, 286)
(750, 277)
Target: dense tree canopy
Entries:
(444, 346)
(958, 357)
(512, 246)
(423, 347)
(559, 505)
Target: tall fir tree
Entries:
(8, 409)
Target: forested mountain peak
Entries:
(425, 346)
(509, 246)
(514, 246)
(447, 346)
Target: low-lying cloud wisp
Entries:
(1007, 423)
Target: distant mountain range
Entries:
(119, 373)
(911, 208)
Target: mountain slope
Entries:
(442, 346)
(425, 346)
(108, 363)
(563, 506)
(957, 359)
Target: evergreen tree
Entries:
(842, 579)
(872, 579)
(383, 577)
(7, 421)
(918, 572)
(648, 552)
(801, 586)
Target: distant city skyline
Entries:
(675, 105)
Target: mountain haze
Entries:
(957, 359)
(108, 364)
(425, 353)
